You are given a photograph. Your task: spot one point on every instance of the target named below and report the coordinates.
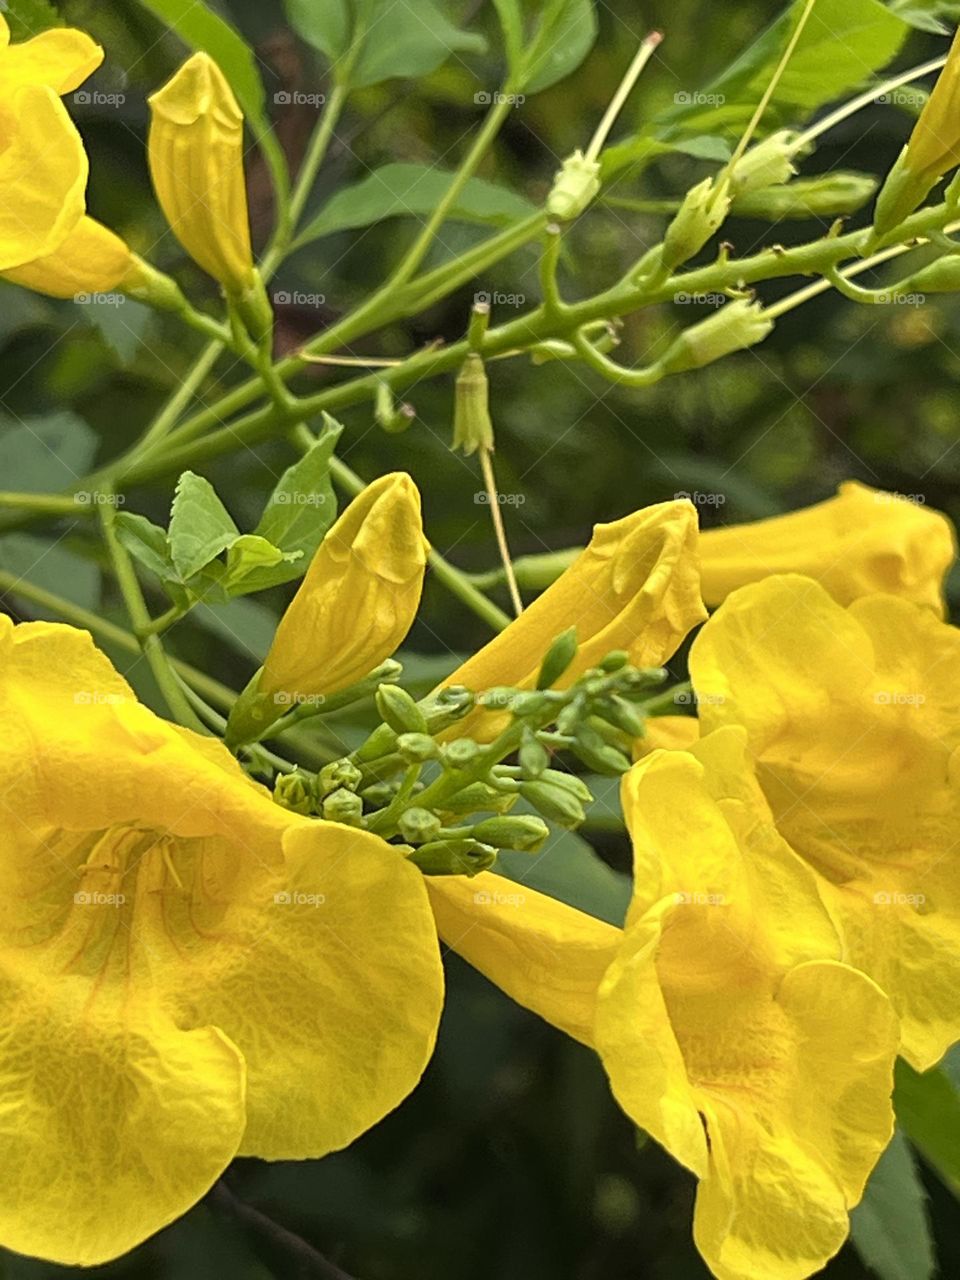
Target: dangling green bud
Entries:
(336, 774)
(558, 657)
(529, 703)
(574, 187)
(417, 747)
(569, 782)
(477, 797)
(525, 833)
(399, 710)
(390, 416)
(589, 746)
(533, 756)
(472, 426)
(834, 195)
(768, 164)
(381, 742)
(735, 327)
(293, 791)
(461, 753)
(459, 856)
(699, 218)
(343, 806)
(417, 826)
(557, 803)
(942, 276)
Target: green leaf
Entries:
(200, 525)
(890, 1227)
(567, 868)
(303, 506)
(928, 15)
(28, 17)
(121, 323)
(253, 564)
(928, 1111)
(368, 41)
(202, 29)
(564, 36)
(146, 542)
(45, 454)
(414, 190)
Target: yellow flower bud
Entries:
(359, 596)
(195, 152)
(90, 260)
(932, 151)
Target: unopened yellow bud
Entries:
(359, 596)
(196, 163)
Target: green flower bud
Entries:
(460, 753)
(574, 187)
(557, 659)
(535, 704)
(293, 791)
(619, 712)
(701, 215)
(477, 797)
(533, 755)
(525, 833)
(942, 276)
(596, 754)
(556, 803)
(615, 661)
(459, 856)
(472, 427)
(768, 164)
(419, 825)
(447, 706)
(338, 773)
(399, 710)
(735, 327)
(343, 806)
(833, 195)
(417, 747)
(378, 794)
(568, 782)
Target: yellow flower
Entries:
(851, 716)
(635, 587)
(43, 167)
(90, 260)
(932, 151)
(195, 152)
(860, 542)
(728, 1027)
(359, 597)
(187, 971)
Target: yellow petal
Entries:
(61, 59)
(854, 729)
(934, 146)
(545, 955)
(359, 597)
(671, 733)
(635, 587)
(860, 542)
(43, 176)
(195, 150)
(90, 260)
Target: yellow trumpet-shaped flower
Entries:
(359, 596)
(195, 152)
(61, 59)
(851, 717)
(932, 150)
(636, 587)
(860, 542)
(187, 971)
(91, 260)
(727, 1025)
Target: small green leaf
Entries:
(890, 1227)
(200, 525)
(253, 564)
(368, 41)
(27, 18)
(414, 190)
(303, 506)
(146, 542)
(928, 1111)
(564, 35)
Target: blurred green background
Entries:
(511, 1161)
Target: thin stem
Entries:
(302, 1254)
(647, 376)
(643, 56)
(493, 499)
(864, 100)
(771, 87)
(553, 304)
(151, 645)
(169, 415)
(468, 167)
(45, 504)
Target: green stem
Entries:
(45, 504)
(170, 414)
(468, 167)
(150, 644)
